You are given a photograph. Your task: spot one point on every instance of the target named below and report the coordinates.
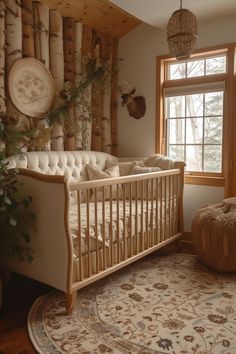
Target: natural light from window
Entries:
(194, 115)
(197, 67)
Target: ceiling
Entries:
(99, 14)
(157, 12)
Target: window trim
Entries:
(210, 179)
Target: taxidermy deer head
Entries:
(136, 105)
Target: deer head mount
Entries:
(136, 105)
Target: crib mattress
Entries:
(129, 225)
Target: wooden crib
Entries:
(89, 229)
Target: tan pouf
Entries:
(214, 235)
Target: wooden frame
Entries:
(166, 206)
(147, 216)
(219, 180)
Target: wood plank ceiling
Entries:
(99, 14)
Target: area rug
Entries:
(159, 305)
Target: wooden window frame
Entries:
(201, 178)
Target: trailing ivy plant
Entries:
(98, 73)
(16, 218)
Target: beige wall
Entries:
(139, 50)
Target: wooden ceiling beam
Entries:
(99, 14)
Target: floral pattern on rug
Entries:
(160, 305)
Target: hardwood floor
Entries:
(18, 297)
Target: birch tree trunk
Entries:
(27, 29)
(106, 53)
(87, 123)
(97, 99)
(57, 71)
(69, 76)
(114, 103)
(41, 30)
(13, 52)
(41, 40)
(106, 119)
(2, 64)
(78, 71)
(2, 58)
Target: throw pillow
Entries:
(94, 173)
(162, 161)
(145, 169)
(138, 169)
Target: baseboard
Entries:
(187, 242)
(187, 237)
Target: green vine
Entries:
(16, 218)
(100, 74)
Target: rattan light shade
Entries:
(182, 33)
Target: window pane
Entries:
(216, 65)
(176, 131)
(194, 105)
(175, 107)
(212, 158)
(176, 152)
(213, 130)
(214, 103)
(194, 130)
(195, 119)
(194, 157)
(195, 68)
(177, 71)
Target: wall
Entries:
(139, 49)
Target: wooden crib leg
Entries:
(70, 302)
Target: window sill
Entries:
(204, 180)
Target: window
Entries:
(192, 111)
(194, 130)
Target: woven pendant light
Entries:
(182, 33)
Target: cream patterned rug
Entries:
(160, 305)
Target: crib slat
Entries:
(171, 205)
(142, 233)
(118, 222)
(80, 263)
(165, 212)
(96, 228)
(124, 220)
(136, 217)
(176, 203)
(104, 227)
(157, 212)
(111, 228)
(88, 232)
(130, 221)
(152, 214)
(161, 209)
(147, 214)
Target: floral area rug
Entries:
(159, 305)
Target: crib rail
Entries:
(119, 220)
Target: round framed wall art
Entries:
(31, 87)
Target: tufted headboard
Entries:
(71, 164)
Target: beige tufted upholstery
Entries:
(71, 164)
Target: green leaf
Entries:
(7, 200)
(13, 222)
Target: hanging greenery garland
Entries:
(16, 218)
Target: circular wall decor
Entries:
(31, 87)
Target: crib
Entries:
(87, 229)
